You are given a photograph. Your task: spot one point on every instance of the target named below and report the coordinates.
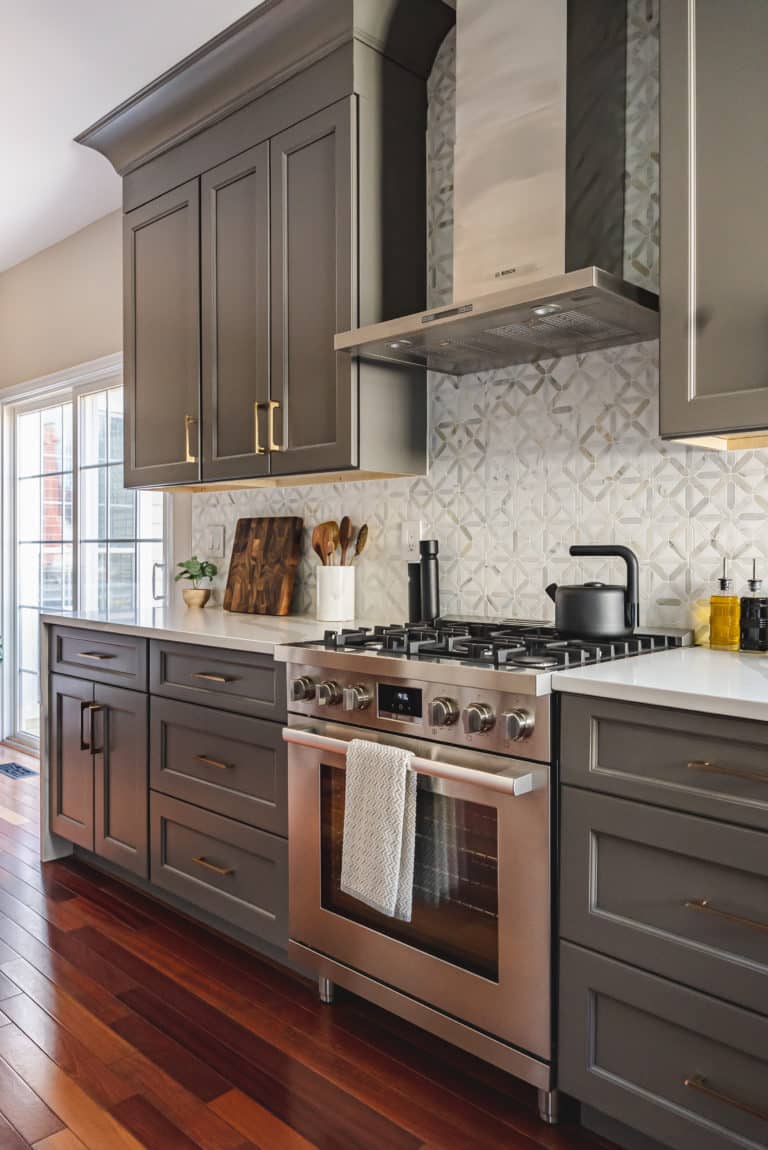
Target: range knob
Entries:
(302, 689)
(479, 718)
(328, 693)
(357, 698)
(443, 712)
(518, 724)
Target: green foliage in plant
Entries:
(196, 570)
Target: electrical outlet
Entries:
(214, 541)
(409, 538)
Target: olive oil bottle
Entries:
(725, 615)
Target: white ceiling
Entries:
(63, 64)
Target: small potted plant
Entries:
(197, 571)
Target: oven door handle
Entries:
(522, 785)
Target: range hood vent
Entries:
(570, 314)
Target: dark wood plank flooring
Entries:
(124, 1026)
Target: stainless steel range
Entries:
(471, 700)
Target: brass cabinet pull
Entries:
(94, 655)
(273, 406)
(211, 678)
(257, 448)
(713, 769)
(703, 904)
(223, 871)
(188, 455)
(91, 708)
(206, 761)
(696, 1082)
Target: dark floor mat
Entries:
(15, 770)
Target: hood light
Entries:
(546, 309)
(396, 343)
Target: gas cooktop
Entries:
(500, 643)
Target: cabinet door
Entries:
(121, 778)
(714, 171)
(71, 760)
(313, 230)
(235, 303)
(161, 272)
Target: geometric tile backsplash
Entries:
(526, 461)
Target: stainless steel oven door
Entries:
(478, 944)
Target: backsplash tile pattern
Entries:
(526, 461)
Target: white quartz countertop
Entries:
(209, 626)
(689, 678)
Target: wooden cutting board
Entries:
(262, 569)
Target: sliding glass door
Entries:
(81, 542)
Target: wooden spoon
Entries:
(328, 534)
(317, 543)
(345, 538)
(362, 539)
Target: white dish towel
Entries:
(379, 828)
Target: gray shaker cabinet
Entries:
(714, 243)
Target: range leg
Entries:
(549, 1102)
(325, 989)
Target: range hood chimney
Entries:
(538, 194)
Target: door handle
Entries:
(211, 678)
(273, 406)
(700, 1084)
(189, 457)
(90, 708)
(714, 769)
(257, 448)
(208, 762)
(223, 871)
(94, 655)
(155, 568)
(705, 906)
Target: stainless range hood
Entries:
(539, 179)
(564, 315)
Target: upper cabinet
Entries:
(714, 243)
(274, 195)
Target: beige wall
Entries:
(63, 306)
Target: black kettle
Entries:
(598, 610)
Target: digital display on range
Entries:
(400, 702)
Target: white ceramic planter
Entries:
(336, 593)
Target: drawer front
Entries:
(119, 660)
(226, 868)
(680, 1067)
(251, 684)
(680, 895)
(705, 764)
(226, 763)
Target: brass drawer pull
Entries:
(713, 769)
(94, 655)
(189, 456)
(206, 761)
(696, 1082)
(223, 871)
(257, 448)
(703, 904)
(211, 678)
(273, 406)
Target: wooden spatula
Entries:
(345, 538)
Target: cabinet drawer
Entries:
(120, 660)
(232, 871)
(683, 896)
(252, 684)
(705, 764)
(630, 1041)
(226, 763)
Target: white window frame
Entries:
(72, 384)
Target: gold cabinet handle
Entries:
(713, 769)
(188, 455)
(94, 655)
(211, 678)
(91, 709)
(700, 1084)
(703, 904)
(273, 406)
(208, 762)
(222, 871)
(257, 448)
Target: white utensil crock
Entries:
(336, 593)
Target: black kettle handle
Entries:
(609, 551)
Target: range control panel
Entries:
(448, 713)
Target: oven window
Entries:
(456, 877)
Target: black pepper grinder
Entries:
(430, 580)
(754, 615)
(414, 593)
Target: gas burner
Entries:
(540, 662)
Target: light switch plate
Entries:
(214, 541)
(409, 538)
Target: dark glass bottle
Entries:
(754, 615)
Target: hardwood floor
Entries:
(124, 1025)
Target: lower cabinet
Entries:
(232, 871)
(98, 769)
